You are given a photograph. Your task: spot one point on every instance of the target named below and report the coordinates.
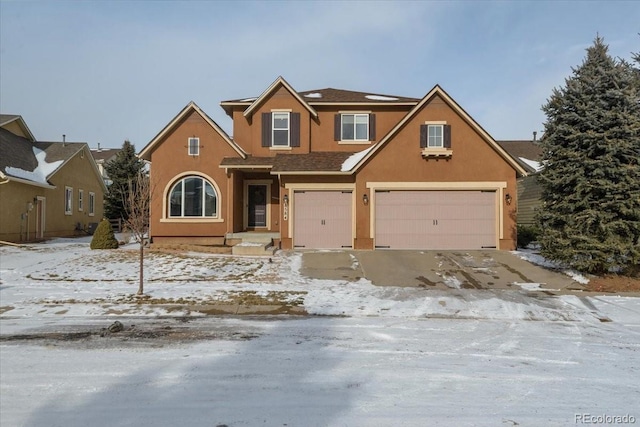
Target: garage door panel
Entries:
(435, 219)
(322, 219)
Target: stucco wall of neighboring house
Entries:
(15, 217)
(78, 174)
(529, 194)
(170, 161)
(473, 160)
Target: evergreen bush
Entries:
(526, 235)
(103, 237)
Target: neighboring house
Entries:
(528, 154)
(333, 168)
(102, 156)
(47, 189)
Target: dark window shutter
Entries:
(372, 127)
(424, 131)
(337, 127)
(447, 136)
(266, 129)
(295, 130)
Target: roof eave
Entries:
(10, 178)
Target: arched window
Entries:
(193, 196)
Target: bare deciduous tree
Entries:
(137, 205)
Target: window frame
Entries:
(355, 127)
(92, 203)
(274, 129)
(190, 147)
(181, 181)
(435, 138)
(80, 200)
(68, 200)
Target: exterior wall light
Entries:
(365, 199)
(508, 198)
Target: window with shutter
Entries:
(435, 139)
(266, 129)
(357, 127)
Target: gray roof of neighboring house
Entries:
(17, 152)
(519, 149)
(104, 153)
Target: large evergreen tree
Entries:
(590, 217)
(123, 170)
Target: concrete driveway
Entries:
(434, 269)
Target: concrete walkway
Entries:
(434, 269)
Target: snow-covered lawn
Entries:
(392, 356)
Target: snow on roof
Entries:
(380, 98)
(313, 95)
(354, 159)
(40, 173)
(248, 100)
(532, 163)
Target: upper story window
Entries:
(193, 196)
(68, 200)
(280, 129)
(435, 136)
(355, 127)
(194, 146)
(435, 139)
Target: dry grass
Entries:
(614, 283)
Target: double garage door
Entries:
(403, 219)
(435, 219)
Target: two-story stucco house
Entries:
(334, 169)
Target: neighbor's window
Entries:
(68, 200)
(280, 129)
(193, 196)
(92, 203)
(435, 136)
(80, 200)
(355, 127)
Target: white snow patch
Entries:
(248, 100)
(40, 173)
(532, 163)
(380, 98)
(535, 258)
(353, 159)
(313, 95)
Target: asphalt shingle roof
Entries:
(331, 95)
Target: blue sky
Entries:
(102, 72)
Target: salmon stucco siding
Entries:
(336, 169)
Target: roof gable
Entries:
(279, 82)
(438, 91)
(145, 153)
(7, 119)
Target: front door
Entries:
(257, 201)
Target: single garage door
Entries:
(435, 219)
(322, 219)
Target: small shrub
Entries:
(103, 237)
(527, 234)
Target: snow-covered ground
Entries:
(392, 356)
